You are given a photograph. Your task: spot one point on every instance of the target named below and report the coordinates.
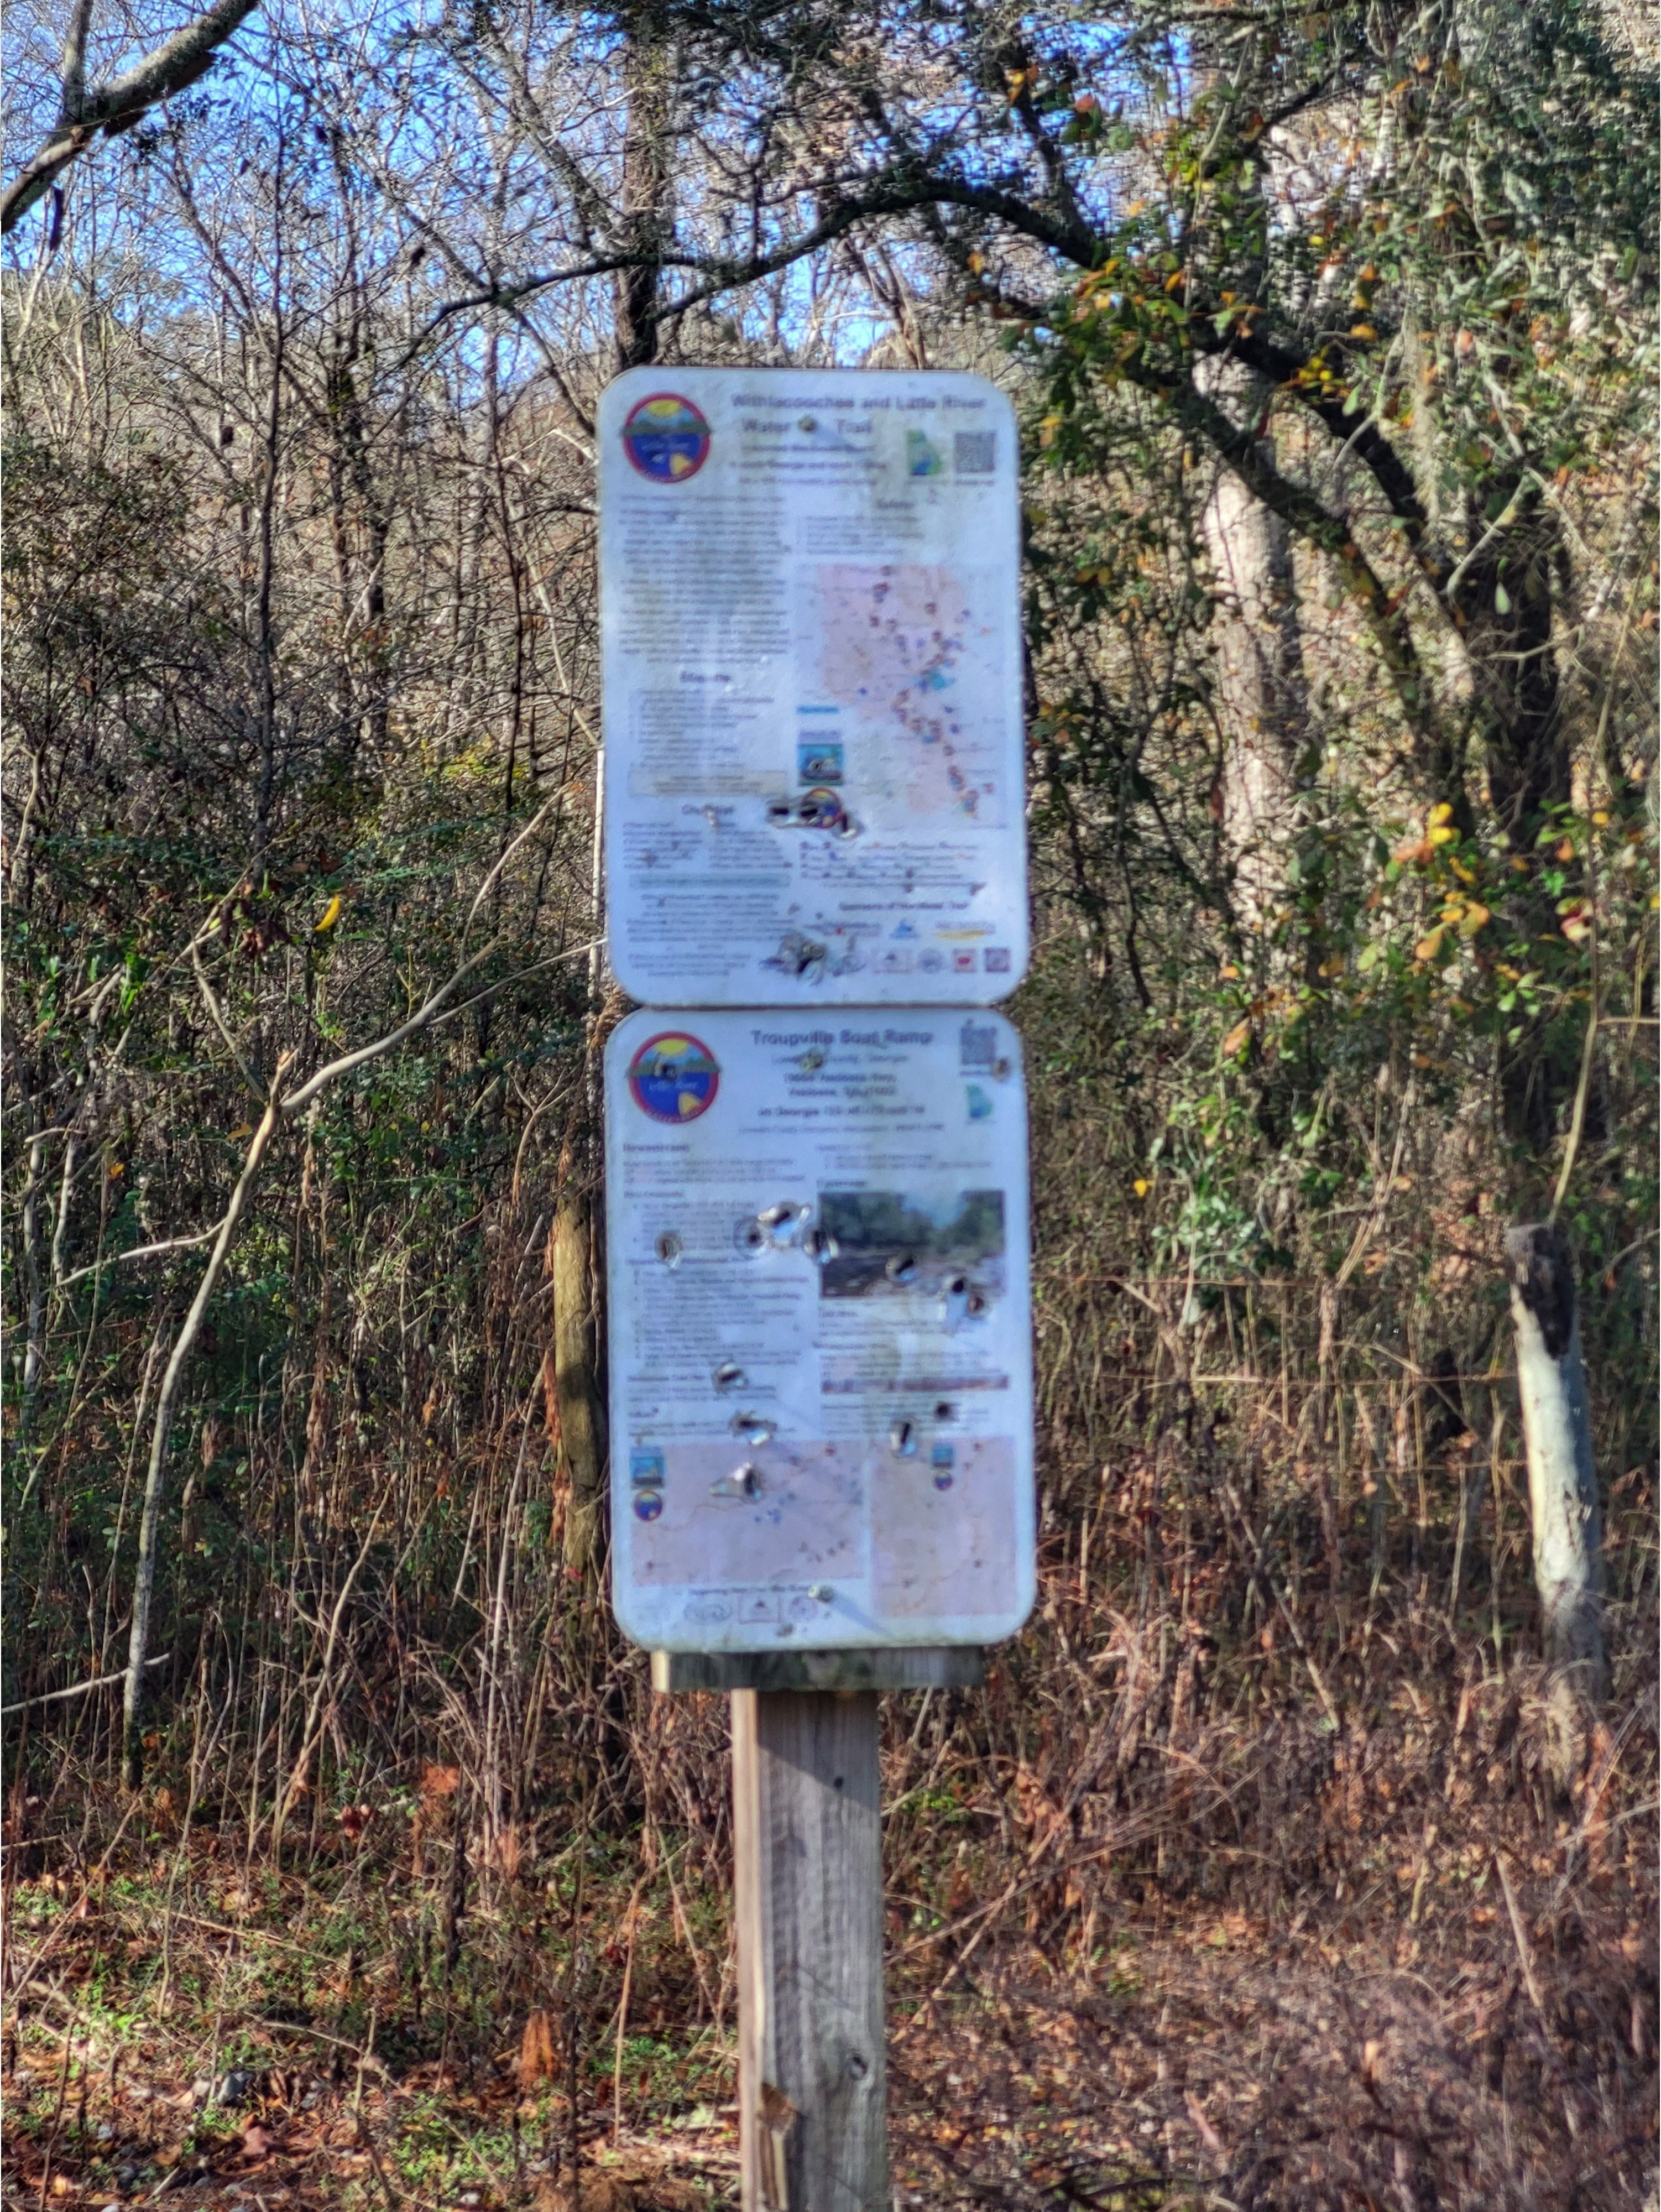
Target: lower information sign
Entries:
(821, 1397)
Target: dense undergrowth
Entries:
(1263, 1865)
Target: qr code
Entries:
(977, 1042)
(974, 453)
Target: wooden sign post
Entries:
(808, 1846)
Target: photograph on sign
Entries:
(812, 680)
(819, 1329)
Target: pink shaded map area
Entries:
(805, 1521)
(897, 640)
(940, 1553)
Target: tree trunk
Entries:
(648, 79)
(576, 1383)
(1562, 1480)
(1263, 704)
(648, 138)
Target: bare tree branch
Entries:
(78, 1689)
(138, 1252)
(115, 106)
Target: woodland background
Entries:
(1263, 1871)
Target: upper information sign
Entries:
(819, 1329)
(809, 613)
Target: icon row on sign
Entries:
(756, 1609)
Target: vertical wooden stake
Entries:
(808, 1845)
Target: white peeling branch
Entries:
(78, 1689)
(138, 1252)
(297, 1101)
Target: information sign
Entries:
(810, 611)
(820, 1318)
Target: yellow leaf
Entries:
(243, 1129)
(1440, 814)
(1142, 1186)
(118, 1166)
(1332, 967)
(1428, 947)
(1236, 1036)
(1362, 331)
(331, 913)
(1444, 835)
(1476, 917)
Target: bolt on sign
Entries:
(810, 614)
(822, 1393)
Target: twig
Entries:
(217, 1016)
(139, 1252)
(173, 1378)
(1525, 1954)
(297, 1100)
(623, 2020)
(366, 2059)
(479, 896)
(78, 1689)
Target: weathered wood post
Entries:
(808, 1899)
(808, 1851)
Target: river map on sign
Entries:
(894, 641)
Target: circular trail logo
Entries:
(666, 438)
(673, 1078)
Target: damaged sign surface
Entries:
(821, 1396)
(809, 617)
